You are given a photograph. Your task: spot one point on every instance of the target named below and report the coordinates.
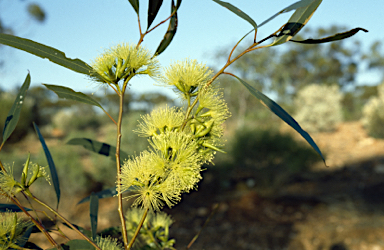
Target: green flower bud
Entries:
(24, 174)
(208, 128)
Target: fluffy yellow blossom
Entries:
(160, 120)
(124, 60)
(187, 75)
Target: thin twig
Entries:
(118, 163)
(65, 220)
(215, 207)
(138, 228)
(38, 225)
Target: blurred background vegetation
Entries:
(260, 156)
(255, 142)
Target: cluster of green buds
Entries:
(12, 229)
(154, 233)
(181, 140)
(124, 61)
(31, 172)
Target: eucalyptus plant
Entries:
(182, 139)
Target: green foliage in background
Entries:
(318, 107)
(268, 156)
(177, 141)
(373, 115)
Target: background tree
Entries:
(282, 73)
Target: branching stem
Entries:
(65, 220)
(138, 228)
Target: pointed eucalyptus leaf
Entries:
(135, 5)
(297, 21)
(171, 31)
(282, 114)
(31, 245)
(99, 148)
(11, 208)
(153, 9)
(24, 238)
(178, 3)
(14, 113)
(336, 37)
(70, 94)
(54, 55)
(107, 193)
(51, 164)
(76, 245)
(93, 211)
(237, 11)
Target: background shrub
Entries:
(373, 114)
(318, 108)
(266, 157)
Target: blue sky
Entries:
(82, 29)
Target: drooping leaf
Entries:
(31, 245)
(135, 5)
(43, 51)
(336, 37)
(99, 148)
(153, 9)
(297, 21)
(280, 112)
(178, 3)
(237, 11)
(11, 208)
(107, 193)
(70, 94)
(171, 31)
(14, 113)
(76, 245)
(299, 4)
(51, 164)
(93, 211)
(24, 238)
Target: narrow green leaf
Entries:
(51, 164)
(11, 208)
(99, 148)
(237, 11)
(14, 113)
(31, 245)
(24, 238)
(93, 211)
(135, 5)
(70, 94)
(153, 9)
(336, 37)
(280, 112)
(76, 245)
(297, 21)
(107, 193)
(43, 51)
(178, 3)
(170, 32)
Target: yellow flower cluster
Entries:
(181, 140)
(122, 61)
(11, 230)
